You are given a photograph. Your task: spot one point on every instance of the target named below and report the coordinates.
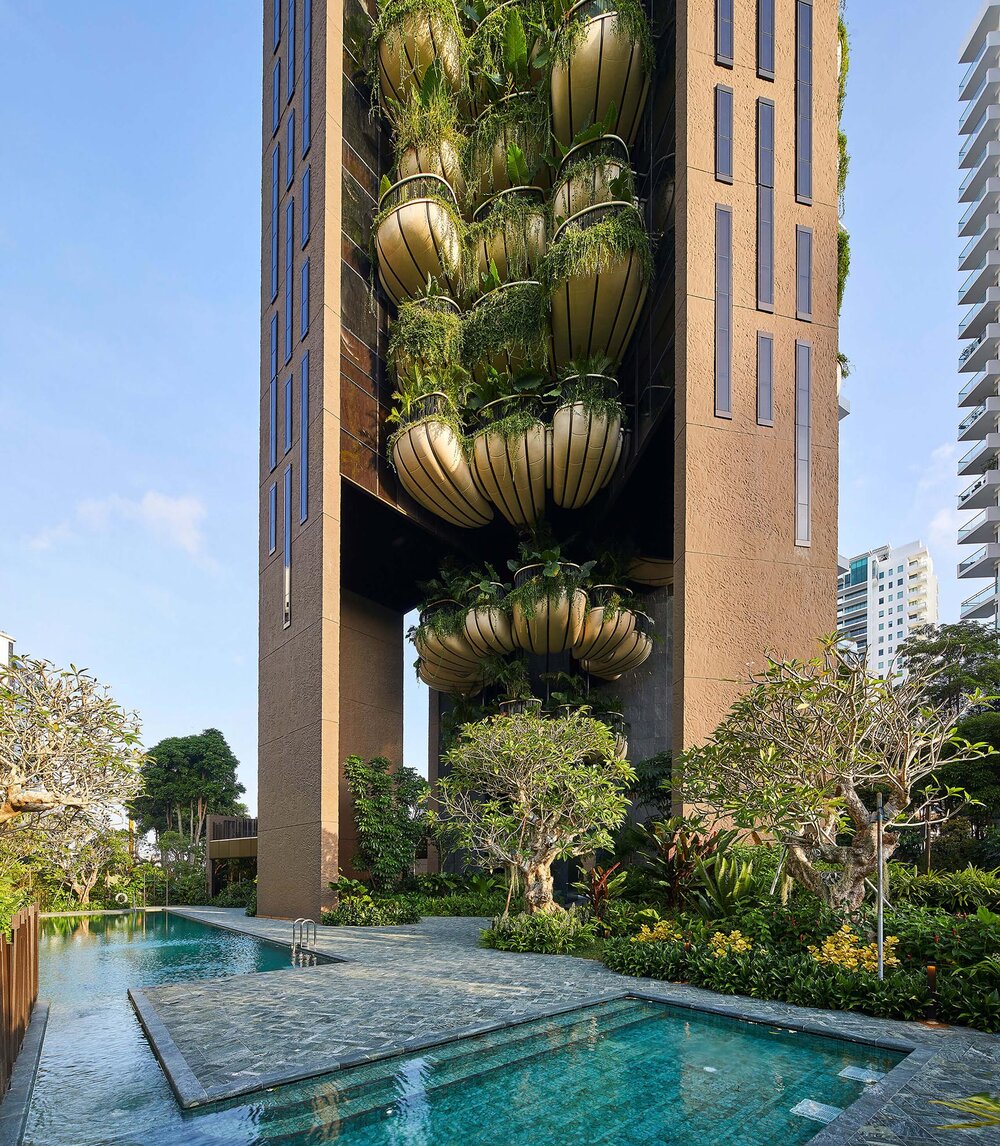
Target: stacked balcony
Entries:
(979, 330)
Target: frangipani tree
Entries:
(803, 752)
(525, 790)
(65, 744)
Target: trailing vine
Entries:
(596, 247)
(510, 321)
(632, 23)
(515, 215)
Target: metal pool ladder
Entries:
(303, 930)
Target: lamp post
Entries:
(879, 851)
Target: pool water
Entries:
(624, 1073)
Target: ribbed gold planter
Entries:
(510, 470)
(488, 631)
(629, 655)
(447, 653)
(585, 450)
(408, 48)
(442, 161)
(453, 685)
(655, 571)
(487, 172)
(419, 238)
(605, 630)
(606, 67)
(515, 255)
(430, 462)
(554, 625)
(586, 184)
(594, 315)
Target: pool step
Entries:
(860, 1074)
(346, 1098)
(816, 1111)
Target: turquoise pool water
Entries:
(626, 1073)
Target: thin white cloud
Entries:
(940, 470)
(174, 521)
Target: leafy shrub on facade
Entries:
(544, 934)
(390, 821)
(363, 911)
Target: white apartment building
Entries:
(6, 647)
(979, 360)
(881, 596)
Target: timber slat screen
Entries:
(18, 987)
(232, 827)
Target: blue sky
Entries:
(129, 265)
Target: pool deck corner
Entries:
(17, 1100)
(397, 990)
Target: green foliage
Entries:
(980, 778)
(601, 886)
(957, 660)
(251, 908)
(237, 895)
(588, 173)
(389, 819)
(956, 891)
(511, 320)
(430, 119)
(843, 262)
(596, 248)
(720, 886)
(984, 1110)
(558, 934)
(186, 779)
(481, 904)
(516, 216)
(364, 911)
(428, 331)
(521, 120)
(652, 786)
(13, 898)
(633, 27)
(391, 15)
(672, 850)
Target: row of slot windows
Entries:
(725, 56)
(287, 482)
(305, 221)
(276, 96)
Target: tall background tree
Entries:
(186, 779)
(954, 661)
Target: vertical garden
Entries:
(514, 253)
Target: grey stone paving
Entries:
(401, 989)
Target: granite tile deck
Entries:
(400, 989)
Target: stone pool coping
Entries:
(208, 1058)
(17, 1100)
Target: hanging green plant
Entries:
(431, 396)
(508, 48)
(519, 120)
(591, 382)
(408, 36)
(509, 232)
(591, 173)
(843, 262)
(507, 328)
(632, 22)
(428, 137)
(593, 246)
(426, 334)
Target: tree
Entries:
(186, 778)
(65, 744)
(980, 778)
(802, 752)
(388, 815)
(526, 790)
(84, 850)
(954, 661)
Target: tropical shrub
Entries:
(544, 934)
(388, 815)
(955, 891)
(236, 895)
(363, 911)
(252, 901)
(482, 905)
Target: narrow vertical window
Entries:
(765, 39)
(272, 429)
(276, 96)
(288, 414)
(803, 100)
(765, 205)
(277, 23)
(724, 133)
(803, 273)
(765, 378)
(290, 149)
(274, 348)
(723, 311)
(275, 193)
(272, 519)
(287, 525)
(306, 188)
(306, 75)
(289, 250)
(304, 439)
(724, 32)
(304, 301)
(803, 443)
(291, 47)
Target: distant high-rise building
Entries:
(881, 596)
(6, 648)
(979, 361)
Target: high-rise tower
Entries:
(726, 486)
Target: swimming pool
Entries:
(630, 1072)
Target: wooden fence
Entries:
(18, 987)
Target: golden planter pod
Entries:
(441, 160)
(446, 653)
(418, 237)
(586, 447)
(515, 256)
(429, 458)
(581, 185)
(407, 48)
(607, 66)
(510, 469)
(554, 625)
(487, 170)
(454, 685)
(627, 655)
(606, 627)
(594, 315)
(488, 631)
(655, 571)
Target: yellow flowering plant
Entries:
(844, 949)
(735, 943)
(663, 931)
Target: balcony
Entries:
(982, 421)
(981, 315)
(971, 187)
(979, 99)
(976, 355)
(974, 217)
(986, 58)
(981, 457)
(984, 130)
(982, 604)
(982, 492)
(975, 250)
(976, 286)
(980, 38)
(983, 527)
(982, 563)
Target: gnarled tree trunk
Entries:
(538, 887)
(844, 888)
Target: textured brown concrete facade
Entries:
(742, 585)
